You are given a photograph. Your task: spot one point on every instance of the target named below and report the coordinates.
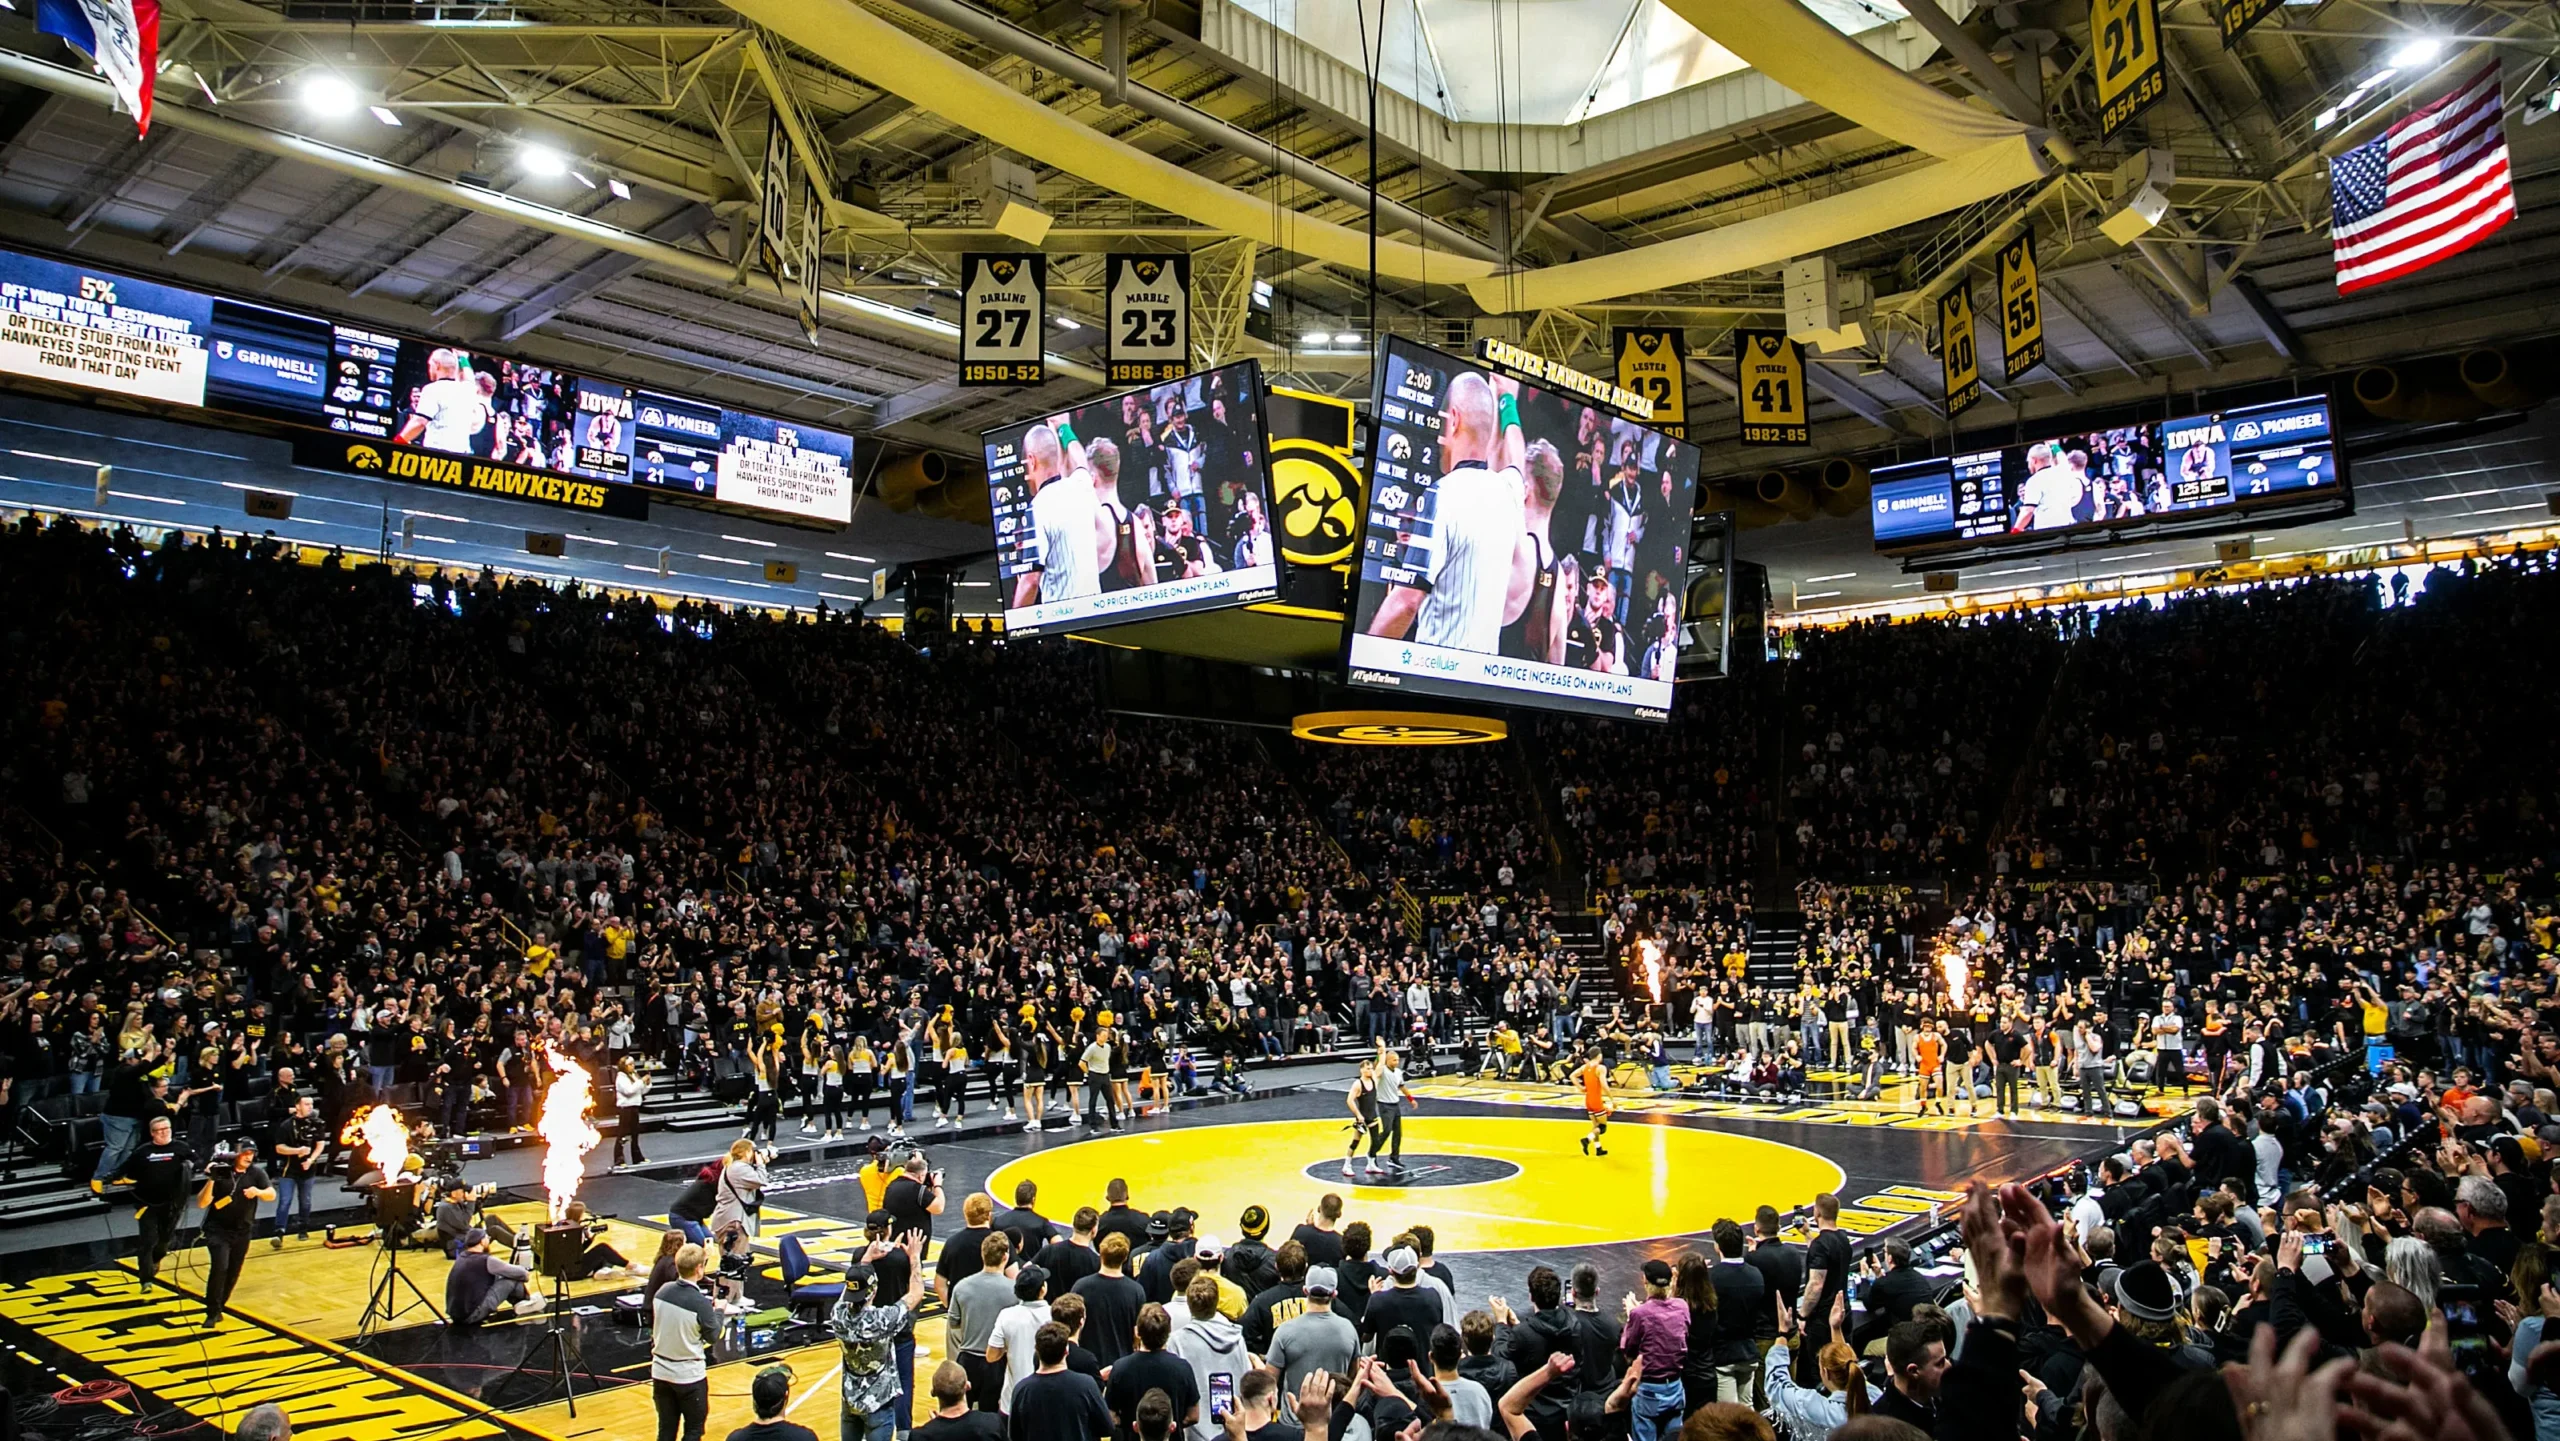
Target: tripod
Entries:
(558, 1349)
(385, 1305)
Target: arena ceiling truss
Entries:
(1906, 141)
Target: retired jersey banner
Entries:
(813, 224)
(2132, 71)
(2237, 16)
(1652, 362)
(1957, 359)
(1769, 372)
(1004, 305)
(773, 212)
(1147, 312)
(2021, 307)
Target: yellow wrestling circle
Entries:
(1539, 1189)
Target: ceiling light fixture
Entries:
(2416, 53)
(387, 116)
(620, 190)
(327, 94)
(541, 161)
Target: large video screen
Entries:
(1521, 546)
(82, 326)
(2225, 462)
(1135, 506)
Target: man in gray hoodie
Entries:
(1214, 1348)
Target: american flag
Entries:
(2429, 187)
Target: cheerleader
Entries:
(1039, 1058)
(764, 1108)
(1119, 1068)
(831, 1091)
(861, 1073)
(951, 1088)
(813, 1065)
(1000, 1067)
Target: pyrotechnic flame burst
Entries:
(566, 1132)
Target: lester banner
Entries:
(1652, 362)
(123, 36)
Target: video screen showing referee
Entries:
(1509, 520)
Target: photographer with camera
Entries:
(458, 1214)
(740, 1189)
(914, 1198)
(158, 1171)
(234, 1184)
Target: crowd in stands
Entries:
(276, 825)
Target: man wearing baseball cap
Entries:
(771, 1393)
(1316, 1339)
(1404, 1303)
(1657, 1335)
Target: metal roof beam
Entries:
(2057, 289)
(598, 273)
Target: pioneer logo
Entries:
(2274, 425)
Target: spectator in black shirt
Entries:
(1054, 1403)
(1779, 1265)
(1029, 1229)
(1119, 1217)
(1827, 1260)
(1152, 1368)
(1250, 1262)
(1891, 1296)
(1070, 1258)
(1318, 1233)
(960, 1258)
(1112, 1300)
(954, 1419)
(1404, 1303)
(772, 1393)
(158, 1171)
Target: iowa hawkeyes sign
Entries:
(1004, 304)
(1315, 477)
(382, 460)
(1397, 728)
(1147, 308)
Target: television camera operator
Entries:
(158, 1171)
(234, 1184)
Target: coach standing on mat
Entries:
(233, 1187)
(158, 1171)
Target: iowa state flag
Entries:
(123, 36)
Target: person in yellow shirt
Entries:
(538, 956)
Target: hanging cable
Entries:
(1372, 61)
